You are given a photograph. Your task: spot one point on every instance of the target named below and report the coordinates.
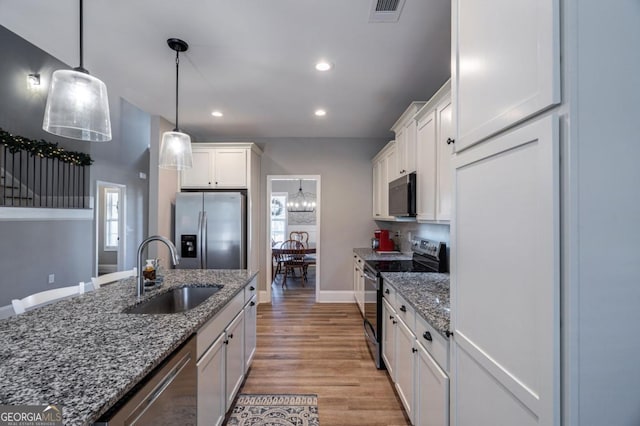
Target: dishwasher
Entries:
(167, 396)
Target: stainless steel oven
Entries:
(373, 313)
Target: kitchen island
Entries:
(85, 354)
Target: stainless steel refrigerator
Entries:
(210, 230)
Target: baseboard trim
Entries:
(336, 297)
(107, 268)
(262, 297)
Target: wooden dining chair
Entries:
(292, 259)
(47, 296)
(113, 277)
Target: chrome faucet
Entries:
(174, 257)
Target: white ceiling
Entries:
(252, 59)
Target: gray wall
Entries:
(30, 251)
(346, 191)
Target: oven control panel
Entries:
(426, 247)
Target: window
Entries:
(278, 217)
(111, 218)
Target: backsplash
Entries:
(399, 231)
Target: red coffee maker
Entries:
(384, 242)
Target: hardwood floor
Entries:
(308, 347)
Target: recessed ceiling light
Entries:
(321, 112)
(324, 66)
(216, 114)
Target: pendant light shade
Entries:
(175, 151)
(77, 104)
(77, 107)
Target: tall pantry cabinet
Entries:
(546, 203)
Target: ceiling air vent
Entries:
(385, 10)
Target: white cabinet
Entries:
(234, 339)
(250, 327)
(226, 345)
(507, 203)
(432, 391)
(406, 132)
(384, 163)
(508, 64)
(211, 384)
(405, 366)
(389, 323)
(358, 282)
(216, 168)
(435, 154)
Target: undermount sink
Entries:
(174, 301)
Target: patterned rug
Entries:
(275, 410)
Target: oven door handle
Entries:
(366, 333)
(370, 277)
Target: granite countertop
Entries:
(85, 354)
(427, 292)
(370, 254)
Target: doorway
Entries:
(110, 226)
(287, 213)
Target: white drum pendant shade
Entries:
(175, 151)
(77, 107)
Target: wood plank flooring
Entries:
(304, 347)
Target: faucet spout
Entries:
(175, 259)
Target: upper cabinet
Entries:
(406, 135)
(216, 167)
(434, 152)
(507, 64)
(384, 165)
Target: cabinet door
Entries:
(405, 358)
(401, 154)
(391, 170)
(211, 384)
(410, 141)
(389, 322)
(200, 175)
(376, 198)
(426, 173)
(508, 63)
(445, 158)
(506, 247)
(432, 392)
(234, 357)
(250, 319)
(230, 168)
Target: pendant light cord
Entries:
(177, 67)
(81, 66)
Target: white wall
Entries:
(345, 169)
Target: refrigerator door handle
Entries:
(199, 248)
(204, 240)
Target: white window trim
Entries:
(286, 215)
(105, 220)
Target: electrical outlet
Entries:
(52, 278)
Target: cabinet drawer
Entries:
(435, 343)
(209, 332)
(389, 293)
(250, 290)
(406, 313)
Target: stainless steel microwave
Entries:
(402, 196)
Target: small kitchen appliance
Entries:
(381, 241)
(428, 256)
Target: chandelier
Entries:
(301, 201)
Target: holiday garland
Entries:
(43, 149)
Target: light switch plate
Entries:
(52, 278)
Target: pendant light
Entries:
(77, 104)
(175, 151)
(301, 202)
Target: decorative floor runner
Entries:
(275, 410)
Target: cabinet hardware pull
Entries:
(231, 336)
(449, 333)
(450, 141)
(252, 288)
(427, 336)
(226, 342)
(252, 304)
(414, 350)
(390, 317)
(395, 322)
(403, 308)
(386, 291)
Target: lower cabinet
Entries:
(234, 356)
(415, 364)
(226, 346)
(358, 282)
(211, 384)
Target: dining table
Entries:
(307, 254)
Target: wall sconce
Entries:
(33, 81)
